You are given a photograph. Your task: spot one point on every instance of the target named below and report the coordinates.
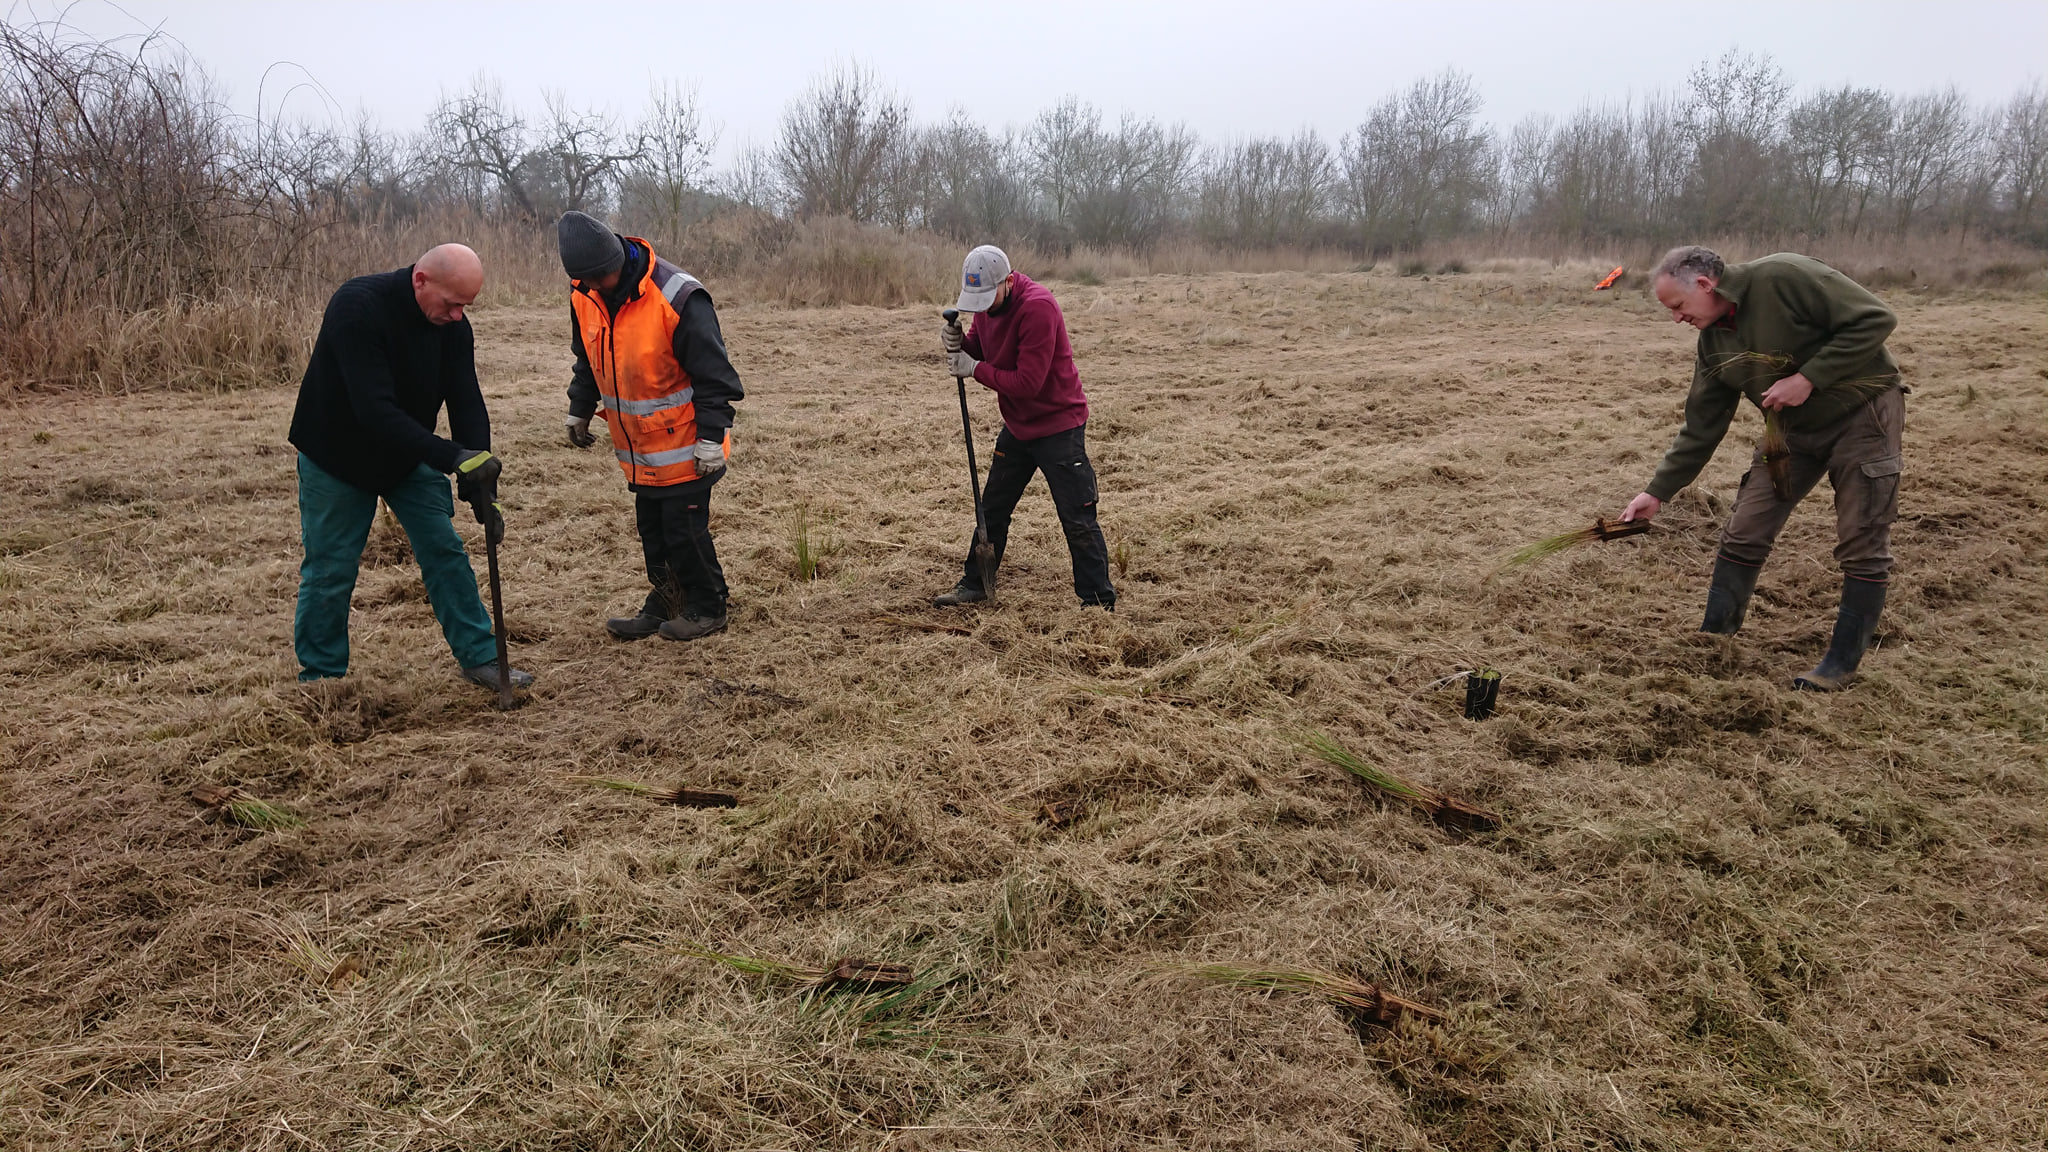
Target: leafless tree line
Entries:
(125, 182)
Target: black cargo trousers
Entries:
(1063, 457)
(682, 560)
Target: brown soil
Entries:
(1718, 915)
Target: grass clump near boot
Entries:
(238, 807)
(681, 797)
(1447, 810)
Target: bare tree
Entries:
(1833, 142)
(1926, 150)
(2022, 146)
(480, 132)
(970, 183)
(584, 152)
(1260, 193)
(1417, 166)
(1733, 116)
(669, 177)
(841, 146)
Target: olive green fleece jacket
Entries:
(1792, 314)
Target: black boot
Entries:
(1855, 623)
(1728, 596)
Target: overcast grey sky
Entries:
(1224, 68)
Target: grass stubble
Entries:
(1691, 930)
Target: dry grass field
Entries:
(1720, 915)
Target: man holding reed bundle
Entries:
(648, 350)
(1806, 345)
(393, 348)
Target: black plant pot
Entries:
(1482, 687)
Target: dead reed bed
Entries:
(1719, 915)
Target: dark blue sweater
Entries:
(373, 392)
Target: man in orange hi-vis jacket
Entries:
(648, 350)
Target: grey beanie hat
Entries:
(589, 249)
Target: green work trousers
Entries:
(334, 524)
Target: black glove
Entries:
(476, 479)
(580, 435)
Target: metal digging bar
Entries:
(983, 552)
(506, 700)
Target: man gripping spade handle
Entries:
(1018, 349)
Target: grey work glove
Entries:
(963, 364)
(710, 455)
(580, 435)
(951, 338)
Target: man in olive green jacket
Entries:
(1806, 345)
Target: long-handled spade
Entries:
(506, 700)
(983, 553)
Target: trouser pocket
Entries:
(1879, 500)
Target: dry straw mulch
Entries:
(1690, 930)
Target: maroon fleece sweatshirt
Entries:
(1027, 362)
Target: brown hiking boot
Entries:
(692, 627)
(638, 627)
(958, 596)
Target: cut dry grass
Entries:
(1709, 890)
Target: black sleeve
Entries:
(362, 355)
(582, 383)
(700, 349)
(469, 422)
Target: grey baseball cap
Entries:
(985, 269)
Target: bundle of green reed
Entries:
(1601, 529)
(319, 962)
(1447, 810)
(1358, 1002)
(241, 808)
(847, 972)
(1777, 454)
(683, 797)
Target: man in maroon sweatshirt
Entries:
(1018, 349)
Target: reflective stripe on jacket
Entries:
(645, 394)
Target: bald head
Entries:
(446, 281)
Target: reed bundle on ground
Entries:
(319, 962)
(1601, 529)
(847, 973)
(682, 797)
(1359, 1003)
(231, 803)
(1447, 810)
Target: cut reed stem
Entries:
(1360, 1002)
(1601, 529)
(241, 808)
(1449, 811)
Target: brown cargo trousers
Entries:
(1861, 457)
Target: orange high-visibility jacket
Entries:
(646, 395)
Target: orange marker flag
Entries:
(1611, 278)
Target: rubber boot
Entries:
(1728, 596)
(1855, 624)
